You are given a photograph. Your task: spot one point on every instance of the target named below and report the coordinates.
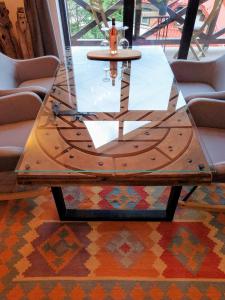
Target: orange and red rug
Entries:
(43, 258)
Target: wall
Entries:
(12, 6)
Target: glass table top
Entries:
(114, 119)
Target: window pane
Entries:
(208, 39)
(86, 18)
(159, 22)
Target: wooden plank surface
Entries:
(121, 55)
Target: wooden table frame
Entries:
(166, 151)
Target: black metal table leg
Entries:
(116, 215)
(59, 202)
(188, 195)
(172, 202)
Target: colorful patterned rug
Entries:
(43, 258)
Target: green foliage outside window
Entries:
(79, 17)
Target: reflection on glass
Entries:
(105, 41)
(151, 82)
(102, 132)
(92, 93)
(180, 101)
(132, 125)
(106, 73)
(123, 42)
(113, 71)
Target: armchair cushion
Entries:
(17, 115)
(9, 157)
(213, 142)
(8, 78)
(15, 134)
(19, 107)
(209, 116)
(29, 89)
(7, 181)
(8, 184)
(41, 86)
(208, 112)
(204, 79)
(24, 72)
(192, 90)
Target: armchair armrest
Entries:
(34, 89)
(191, 71)
(210, 95)
(208, 112)
(36, 68)
(19, 107)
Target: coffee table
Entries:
(119, 124)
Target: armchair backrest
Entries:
(8, 78)
(219, 74)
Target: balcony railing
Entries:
(85, 25)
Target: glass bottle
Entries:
(113, 36)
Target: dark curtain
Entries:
(41, 27)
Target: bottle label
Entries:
(113, 41)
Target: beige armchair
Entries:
(17, 115)
(201, 79)
(209, 117)
(32, 75)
